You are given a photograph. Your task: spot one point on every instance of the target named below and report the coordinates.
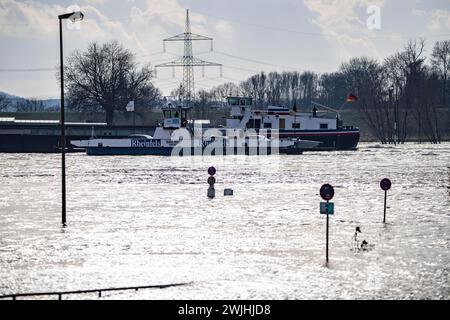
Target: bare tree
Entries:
(332, 89)
(29, 105)
(440, 60)
(308, 82)
(413, 64)
(396, 80)
(4, 102)
(107, 76)
(224, 90)
(364, 77)
(256, 87)
(202, 105)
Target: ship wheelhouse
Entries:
(175, 117)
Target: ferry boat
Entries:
(166, 142)
(315, 126)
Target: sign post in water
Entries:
(327, 193)
(386, 185)
(211, 182)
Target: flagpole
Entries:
(130, 108)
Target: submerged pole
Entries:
(385, 204)
(63, 129)
(327, 193)
(327, 237)
(385, 185)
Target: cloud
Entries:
(36, 20)
(94, 2)
(158, 20)
(28, 19)
(171, 14)
(140, 26)
(437, 19)
(343, 23)
(440, 20)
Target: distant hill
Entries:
(9, 96)
(13, 101)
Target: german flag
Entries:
(352, 98)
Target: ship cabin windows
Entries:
(267, 125)
(175, 113)
(296, 126)
(324, 126)
(239, 101)
(254, 124)
(175, 117)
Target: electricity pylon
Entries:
(188, 61)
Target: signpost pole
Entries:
(385, 185)
(328, 219)
(327, 193)
(211, 182)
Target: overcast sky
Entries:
(249, 35)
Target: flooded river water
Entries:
(135, 221)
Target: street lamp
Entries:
(74, 17)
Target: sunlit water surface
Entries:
(135, 221)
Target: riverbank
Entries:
(217, 117)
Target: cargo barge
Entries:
(43, 136)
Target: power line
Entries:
(241, 69)
(210, 79)
(257, 61)
(250, 60)
(259, 26)
(232, 79)
(151, 54)
(314, 34)
(28, 70)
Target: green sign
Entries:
(327, 208)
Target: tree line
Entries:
(406, 88)
(21, 105)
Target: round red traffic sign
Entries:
(385, 184)
(327, 192)
(211, 180)
(211, 171)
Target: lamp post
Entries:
(74, 17)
